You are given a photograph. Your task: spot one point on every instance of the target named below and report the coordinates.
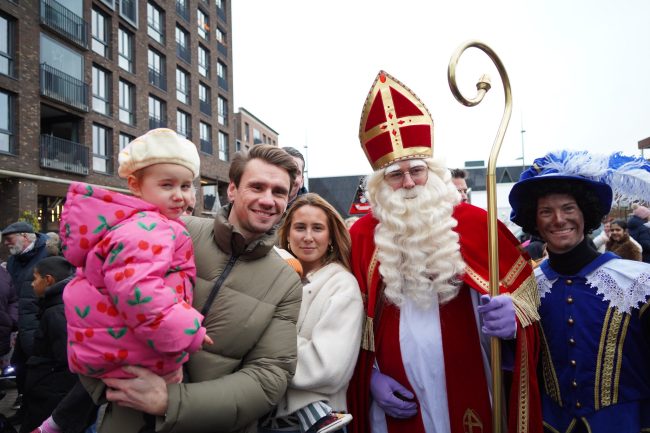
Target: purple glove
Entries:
(498, 315)
(384, 389)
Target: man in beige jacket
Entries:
(250, 299)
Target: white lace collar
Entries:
(624, 283)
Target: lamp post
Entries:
(523, 131)
(305, 170)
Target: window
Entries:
(6, 122)
(222, 43)
(129, 11)
(221, 9)
(101, 149)
(6, 47)
(183, 45)
(205, 103)
(127, 114)
(205, 136)
(183, 124)
(183, 9)
(257, 137)
(157, 110)
(203, 22)
(155, 23)
(109, 3)
(222, 75)
(182, 86)
(223, 146)
(247, 132)
(125, 49)
(101, 91)
(222, 111)
(101, 30)
(157, 69)
(221, 36)
(125, 140)
(237, 145)
(61, 58)
(204, 62)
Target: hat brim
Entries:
(524, 191)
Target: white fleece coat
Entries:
(329, 335)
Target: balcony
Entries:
(155, 122)
(64, 21)
(206, 146)
(128, 10)
(221, 13)
(183, 53)
(223, 49)
(222, 82)
(63, 88)
(158, 79)
(205, 108)
(182, 10)
(63, 155)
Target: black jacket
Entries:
(48, 376)
(21, 268)
(8, 310)
(641, 234)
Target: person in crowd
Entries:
(48, 376)
(329, 324)
(26, 248)
(458, 176)
(421, 261)
(130, 302)
(298, 187)
(192, 203)
(53, 244)
(596, 346)
(620, 242)
(600, 240)
(639, 231)
(536, 249)
(250, 298)
(8, 315)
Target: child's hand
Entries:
(175, 376)
(207, 340)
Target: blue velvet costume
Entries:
(595, 354)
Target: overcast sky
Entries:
(579, 71)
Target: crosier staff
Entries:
(482, 86)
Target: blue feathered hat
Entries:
(613, 177)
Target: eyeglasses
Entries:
(397, 177)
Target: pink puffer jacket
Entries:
(130, 302)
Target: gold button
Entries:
(570, 321)
(569, 282)
(578, 405)
(574, 384)
(573, 363)
(569, 300)
(572, 342)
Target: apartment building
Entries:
(250, 130)
(79, 79)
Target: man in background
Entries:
(298, 186)
(458, 176)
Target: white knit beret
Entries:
(158, 146)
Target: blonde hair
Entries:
(339, 236)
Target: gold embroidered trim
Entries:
(368, 337)
(525, 298)
(526, 301)
(611, 345)
(371, 269)
(514, 271)
(571, 426)
(523, 413)
(643, 309)
(584, 420)
(471, 420)
(551, 384)
(548, 427)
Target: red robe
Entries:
(467, 392)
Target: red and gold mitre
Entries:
(395, 124)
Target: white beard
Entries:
(18, 247)
(418, 250)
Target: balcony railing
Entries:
(183, 53)
(64, 155)
(221, 13)
(183, 11)
(157, 79)
(63, 88)
(223, 49)
(222, 82)
(205, 107)
(127, 9)
(155, 122)
(206, 147)
(64, 21)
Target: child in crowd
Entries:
(130, 302)
(48, 377)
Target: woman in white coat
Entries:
(330, 320)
